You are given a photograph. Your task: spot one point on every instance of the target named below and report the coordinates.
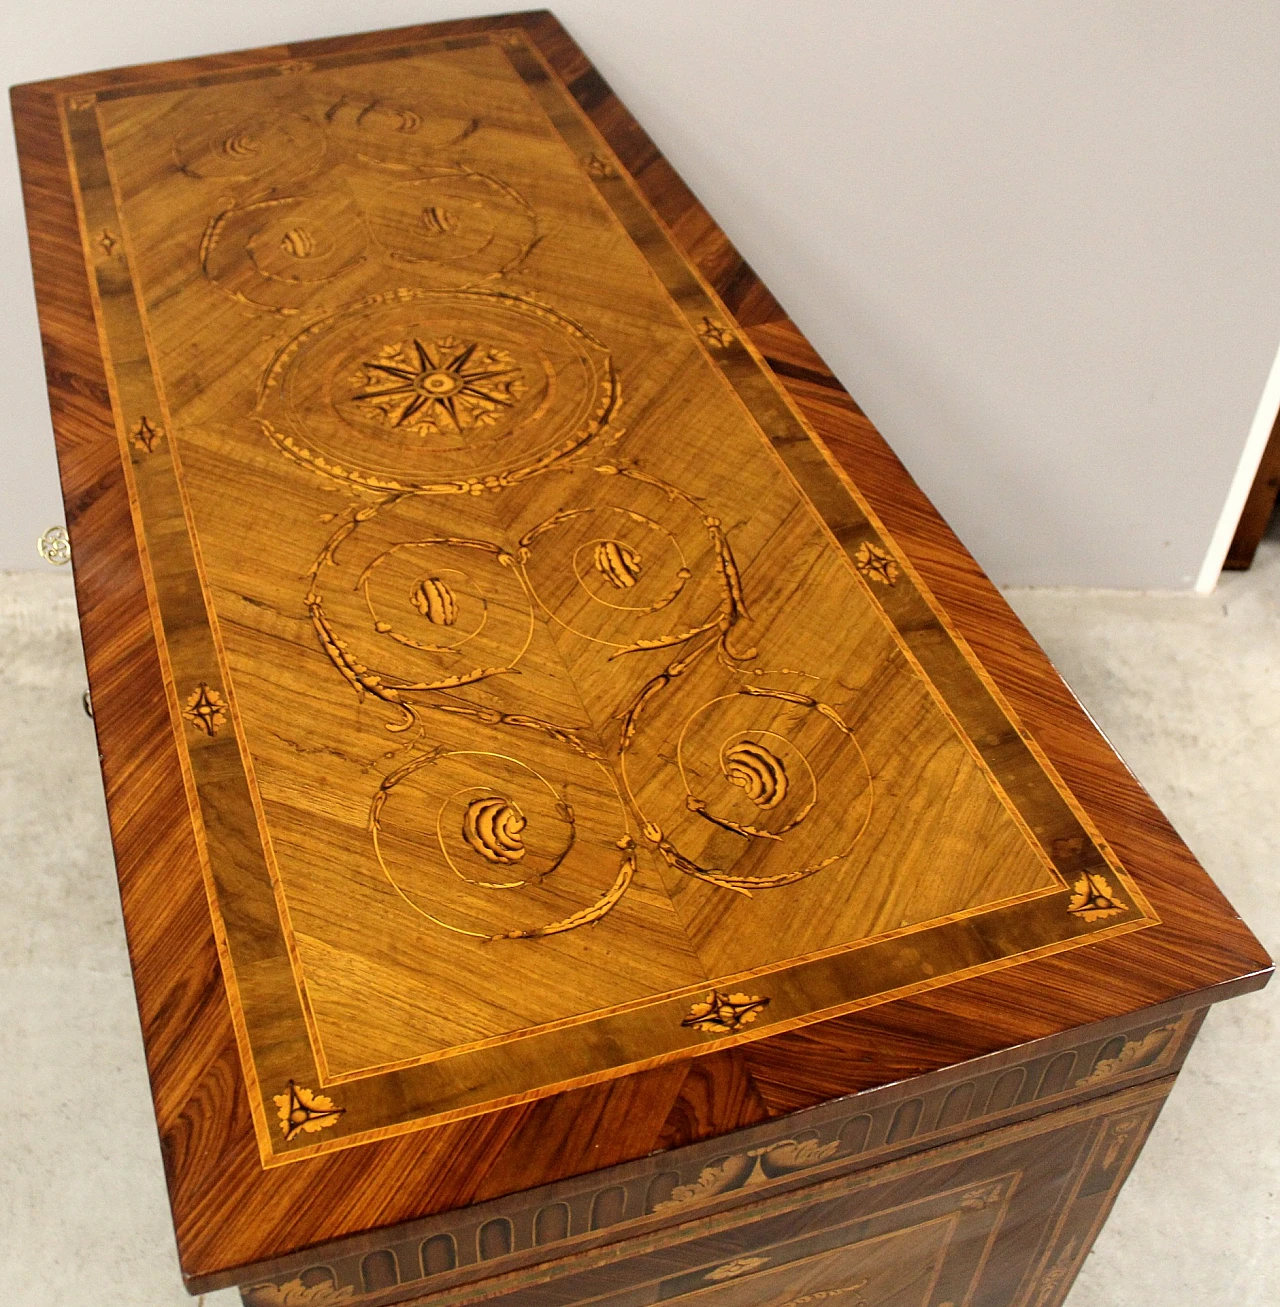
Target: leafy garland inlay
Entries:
(747, 764)
(1054, 1276)
(746, 1170)
(1134, 1054)
(738, 1267)
(824, 1295)
(293, 1293)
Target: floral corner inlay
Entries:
(876, 564)
(205, 709)
(716, 334)
(301, 1109)
(295, 66)
(1093, 898)
(725, 1013)
(739, 1267)
(107, 242)
(145, 434)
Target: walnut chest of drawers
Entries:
(586, 828)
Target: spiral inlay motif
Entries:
(758, 773)
(492, 827)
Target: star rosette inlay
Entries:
(876, 564)
(205, 709)
(716, 334)
(600, 168)
(145, 434)
(724, 1013)
(438, 387)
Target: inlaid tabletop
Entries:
(549, 701)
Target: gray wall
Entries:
(1036, 240)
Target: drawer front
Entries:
(626, 1202)
(1001, 1220)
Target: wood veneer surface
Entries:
(230, 688)
(550, 1225)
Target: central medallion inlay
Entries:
(438, 387)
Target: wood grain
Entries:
(426, 703)
(564, 1220)
(231, 1212)
(1004, 1220)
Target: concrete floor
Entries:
(1186, 688)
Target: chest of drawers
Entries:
(586, 828)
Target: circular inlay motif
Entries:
(452, 226)
(272, 253)
(438, 391)
(644, 558)
(489, 845)
(395, 129)
(240, 148)
(442, 387)
(771, 786)
(424, 613)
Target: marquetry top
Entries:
(523, 676)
